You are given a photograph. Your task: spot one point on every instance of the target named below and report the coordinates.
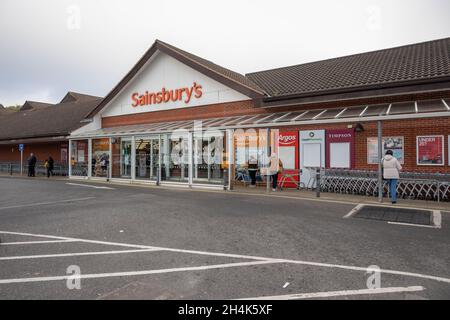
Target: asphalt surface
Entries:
(204, 245)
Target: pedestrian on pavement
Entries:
(275, 168)
(50, 166)
(391, 172)
(32, 165)
(252, 167)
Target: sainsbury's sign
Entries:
(164, 96)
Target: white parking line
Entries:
(76, 254)
(88, 186)
(329, 294)
(353, 211)
(412, 225)
(136, 273)
(35, 242)
(261, 259)
(46, 203)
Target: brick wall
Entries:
(41, 151)
(211, 111)
(409, 129)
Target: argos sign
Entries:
(287, 139)
(184, 95)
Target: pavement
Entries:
(65, 239)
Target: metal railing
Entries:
(411, 185)
(13, 168)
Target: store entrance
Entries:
(147, 158)
(208, 153)
(175, 158)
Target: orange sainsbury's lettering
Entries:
(134, 97)
(165, 96)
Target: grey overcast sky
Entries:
(49, 47)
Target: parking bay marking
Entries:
(76, 254)
(46, 203)
(137, 273)
(329, 294)
(35, 242)
(261, 259)
(88, 186)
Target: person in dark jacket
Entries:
(50, 166)
(32, 165)
(252, 167)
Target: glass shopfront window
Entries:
(249, 144)
(121, 158)
(175, 155)
(79, 158)
(100, 157)
(147, 157)
(208, 157)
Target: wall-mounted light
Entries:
(359, 127)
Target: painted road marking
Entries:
(329, 294)
(136, 273)
(353, 211)
(88, 186)
(46, 203)
(75, 254)
(35, 242)
(437, 218)
(261, 259)
(412, 225)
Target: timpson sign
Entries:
(165, 96)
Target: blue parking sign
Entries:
(21, 146)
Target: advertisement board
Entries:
(396, 144)
(430, 151)
(340, 148)
(288, 154)
(312, 154)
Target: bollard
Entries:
(158, 176)
(318, 182)
(225, 179)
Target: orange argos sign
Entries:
(164, 96)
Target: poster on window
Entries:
(430, 150)
(63, 155)
(396, 144)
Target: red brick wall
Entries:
(41, 151)
(202, 112)
(409, 129)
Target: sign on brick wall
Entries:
(430, 150)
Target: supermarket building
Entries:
(178, 119)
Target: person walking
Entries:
(50, 166)
(391, 172)
(252, 167)
(32, 165)
(276, 167)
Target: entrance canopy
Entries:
(401, 110)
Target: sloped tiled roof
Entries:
(54, 120)
(75, 96)
(377, 69)
(29, 105)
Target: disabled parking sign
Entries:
(21, 146)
